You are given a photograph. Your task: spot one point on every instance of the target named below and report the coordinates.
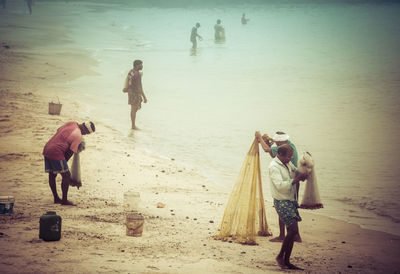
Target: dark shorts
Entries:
(287, 211)
(55, 166)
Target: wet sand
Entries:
(177, 238)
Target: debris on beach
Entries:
(160, 205)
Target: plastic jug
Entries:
(131, 201)
(50, 226)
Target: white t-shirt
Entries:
(281, 178)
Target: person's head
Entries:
(218, 21)
(87, 128)
(138, 64)
(285, 153)
(280, 138)
(197, 25)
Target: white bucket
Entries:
(131, 201)
(6, 204)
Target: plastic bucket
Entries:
(131, 201)
(54, 108)
(6, 204)
(134, 224)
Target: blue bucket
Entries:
(6, 204)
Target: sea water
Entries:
(325, 72)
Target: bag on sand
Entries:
(76, 171)
(311, 198)
(244, 215)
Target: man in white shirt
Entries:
(284, 180)
(279, 139)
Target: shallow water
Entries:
(326, 73)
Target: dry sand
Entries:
(177, 238)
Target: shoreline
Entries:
(176, 239)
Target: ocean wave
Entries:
(380, 208)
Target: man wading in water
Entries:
(133, 86)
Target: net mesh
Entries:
(311, 198)
(244, 217)
(75, 179)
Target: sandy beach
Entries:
(176, 238)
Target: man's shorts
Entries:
(55, 166)
(287, 211)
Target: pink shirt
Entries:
(68, 136)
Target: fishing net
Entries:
(76, 172)
(244, 216)
(311, 198)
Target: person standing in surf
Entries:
(134, 88)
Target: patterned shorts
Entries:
(55, 166)
(287, 211)
(135, 99)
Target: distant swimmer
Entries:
(194, 35)
(29, 3)
(244, 19)
(3, 3)
(219, 31)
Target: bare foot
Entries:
(135, 128)
(281, 262)
(276, 239)
(57, 200)
(68, 203)
(292, 266)
(298, 239)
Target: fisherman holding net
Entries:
(284, 180)
(279, 138)
(58, 150)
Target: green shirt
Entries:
(274, 151)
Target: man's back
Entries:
(135, 81)
(67, 136)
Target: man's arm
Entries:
(283, 186)
(140, 86)
(264, 145)
(68, 154)
(299, 177)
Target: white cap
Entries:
(88, 126)
(280, 137)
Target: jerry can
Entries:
(50, 226)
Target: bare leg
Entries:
(133, 116)
(194, 44)
(297, 238)
(53, 187)
(281, 236)
(287, 247)
(65, 186)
